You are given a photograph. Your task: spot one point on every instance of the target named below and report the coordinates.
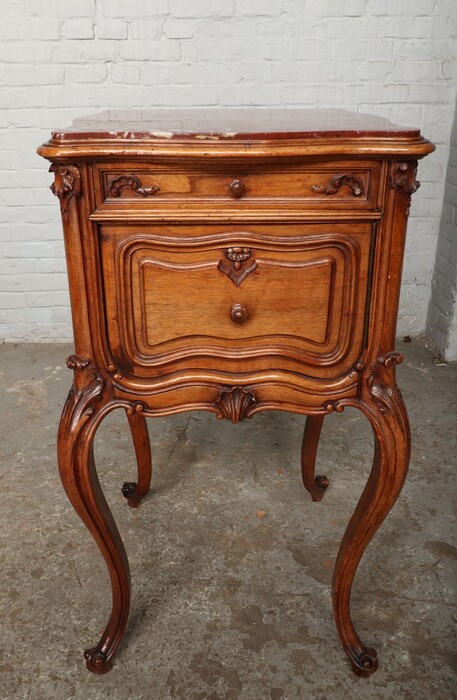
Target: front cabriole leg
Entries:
(86, 405)
(382, 403)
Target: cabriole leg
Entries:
(316, 485)
(134, 491)
(81, 416)
(382, 403)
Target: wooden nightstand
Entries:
(234, 261)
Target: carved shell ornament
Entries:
(235, 404)
(239, 268)
(238, 256)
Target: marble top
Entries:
(230, 124)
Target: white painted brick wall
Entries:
(442, 312)
(60, 60)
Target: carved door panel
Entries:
(219, 300)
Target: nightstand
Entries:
(234, 261)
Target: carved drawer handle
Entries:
(239, 313)
(238, 188)
(134, 183)
(338, 181)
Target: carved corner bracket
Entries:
(235, 404)
(66, 185)
(403, 177)
(382, 385)
(132, 182)
(238, 268)
(86, 389)
(351, 181)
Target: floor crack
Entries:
(179, 439)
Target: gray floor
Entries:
(231, 561)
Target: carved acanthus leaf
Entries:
(403, 177)
(235, 404)
(77, 362)
(86, 389)
(351, 181)
(382, 385)
(66, 185)
(239, 268)
(132, 182)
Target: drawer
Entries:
(269, 298)
(345, 184)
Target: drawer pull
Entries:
(338, 181)
(132, 182)
(237, 188)
(239, 313)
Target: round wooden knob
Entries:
(238, 313)
(237, 188)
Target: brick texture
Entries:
(395, 58)
(442, 312)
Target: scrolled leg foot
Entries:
(365, 663)
(96, 661)
(129, 491)
(322, 483)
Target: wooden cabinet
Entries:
(234, 262)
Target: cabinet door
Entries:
(269, 298)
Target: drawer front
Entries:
(347, 184)
(236, 301)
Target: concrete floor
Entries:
(231, 561)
